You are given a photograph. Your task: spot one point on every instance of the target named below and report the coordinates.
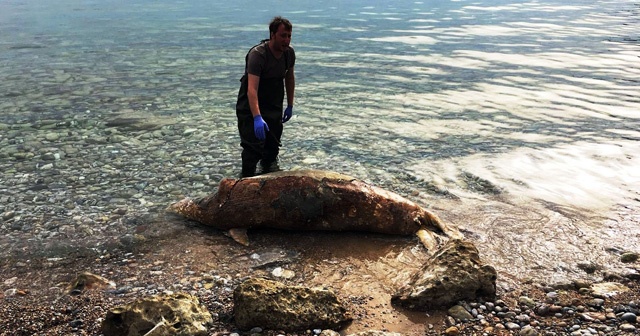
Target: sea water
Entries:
(516, 121)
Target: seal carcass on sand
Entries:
(312, 200)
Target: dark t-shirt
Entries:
(262, 63)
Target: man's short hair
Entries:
(276, 22)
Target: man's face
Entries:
(281, 38)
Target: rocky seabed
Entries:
(68, 184)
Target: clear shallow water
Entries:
(516, 121)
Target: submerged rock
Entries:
(159, 315)
(454, 273)
(272, 305)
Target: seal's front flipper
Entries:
(240, 236)
(427, 239)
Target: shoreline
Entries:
(184, 258)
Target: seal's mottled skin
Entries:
(309, 200)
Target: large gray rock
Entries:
(160, 315)
(452, 274)
(272, 305)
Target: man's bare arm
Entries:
(252, 94)
(290, 85)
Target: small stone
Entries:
(8, 215)
(629, 317)
(596, 303)
(329, 332)
(76, 323)
(584, 291)
(526, 301)
(279, 272)
(459, 313)
(120, 211)
(579, 284)
(10, 292)
(523, 318)
(52, 136)
(627, 327)
(629, 257)
(555, 309)
(566, 285)
(592, 316)
(452, 331)
(450, 321)
(10, 281)
(589, 267)
(542, 309)
(189, 131)
(512, 326)
(528, 331)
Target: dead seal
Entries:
(312, 200)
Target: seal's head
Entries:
(183, 207)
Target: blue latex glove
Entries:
(288, 112)
(259, 127)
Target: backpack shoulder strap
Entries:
(246, 58)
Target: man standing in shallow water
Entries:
(268, 73)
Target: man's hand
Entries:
(288, 112)
(259, 127)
